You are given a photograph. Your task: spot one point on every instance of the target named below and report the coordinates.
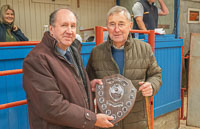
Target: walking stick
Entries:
(148, 113)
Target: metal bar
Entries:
(88, 29)
(10, 72)
(182, 104)
(182, 91)
(21, 43)
(151, 40)
(99, 35)
(141, 31)
(176, 17)
(117, 2)
(181, 110)
(186, 57)
(13, 104)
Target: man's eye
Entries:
(73, 26)
(63, 25)
(112, 24)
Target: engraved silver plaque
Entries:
(116, 97)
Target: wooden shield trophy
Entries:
(116, 96)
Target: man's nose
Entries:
(117, 28)
(69, 29)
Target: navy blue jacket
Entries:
(17, 34)
(150, 18)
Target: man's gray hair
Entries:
(52, 17)
(118, 9)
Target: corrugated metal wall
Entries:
(11, 89)
(32, 15)
(168, 56)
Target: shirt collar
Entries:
(122, 47)
(60, 51)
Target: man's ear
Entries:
(51, 29)
(131, 25)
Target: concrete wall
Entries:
(186, 28)
(163, 20)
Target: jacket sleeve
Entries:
(19, 35)
(154, 72)
(2, 33)
(45, 99)
(89, 68)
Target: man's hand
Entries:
(103, 121)
(94, 83)
(146, 88)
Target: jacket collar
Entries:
(51, 42)
(127, 44)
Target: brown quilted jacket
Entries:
(140, 65)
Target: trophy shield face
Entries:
(116, 97)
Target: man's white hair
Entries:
(118, 9)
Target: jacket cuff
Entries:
(90, 120)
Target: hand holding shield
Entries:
(116, 96)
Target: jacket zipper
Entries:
(124, 61)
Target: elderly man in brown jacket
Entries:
(56, 83)
(132, 58)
